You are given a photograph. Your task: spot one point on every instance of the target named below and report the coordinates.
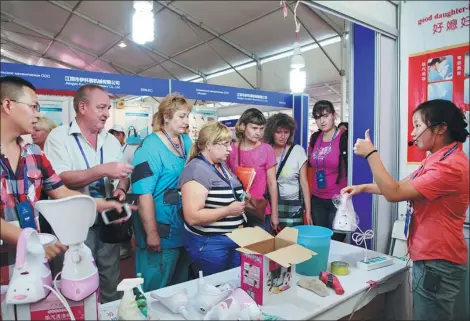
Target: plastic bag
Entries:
(345, 219)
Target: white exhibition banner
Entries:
(434, 58)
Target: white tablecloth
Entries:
(298, 303)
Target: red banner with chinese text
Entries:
(439, 74)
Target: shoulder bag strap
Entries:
(281, 166)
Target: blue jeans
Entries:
(211, 254)
(436, 284)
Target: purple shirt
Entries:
(260, 158)
(329, 164)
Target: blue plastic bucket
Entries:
(317, 239)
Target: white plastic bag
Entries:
(346, 219)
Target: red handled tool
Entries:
(331, 281)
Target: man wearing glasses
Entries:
(87, 157)
(24, 171)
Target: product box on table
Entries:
(267, 262)
(51, 308)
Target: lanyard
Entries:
(83, 153)
(450, 151)
(101, 181)
(124, 149)
(223, 176)
(175, 146)
(317, 154)
(25, 180)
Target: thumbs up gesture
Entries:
(363, 146)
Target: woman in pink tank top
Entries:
(257, 155)
(327, 156)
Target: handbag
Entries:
(290, 211)
(255, 209)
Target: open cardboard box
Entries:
(268, 262)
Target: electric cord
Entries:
(62, 300)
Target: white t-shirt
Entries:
(288, 180)
(63, 152)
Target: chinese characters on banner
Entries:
(438, 65)
(441, 74)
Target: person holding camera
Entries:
(87, 157)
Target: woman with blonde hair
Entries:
(41, 130)
(159, 230)
(211, 202)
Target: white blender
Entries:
(71, 218)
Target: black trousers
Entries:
(323, 214)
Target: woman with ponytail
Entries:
(437, 194)
(211, 202)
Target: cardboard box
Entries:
(267, 262)
(51, 308)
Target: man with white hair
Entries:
(87, 157)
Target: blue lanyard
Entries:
(328, 150)
(83, 153)
(25, 180)
(450, 151)
(224, 176)
(124, 149)
(174, 145)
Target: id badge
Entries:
(321, 179)
(26, 215)
(407, 220)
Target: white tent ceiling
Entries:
(193, 39)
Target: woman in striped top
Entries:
(211, 205)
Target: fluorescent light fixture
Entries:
(122, 44)
(283, 54)
(143, 24)
(298, 80)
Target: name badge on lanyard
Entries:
(24, 210)
(225, 176)
(409, 206)
(320, 171)
(97, 189)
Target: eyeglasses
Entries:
(225, 144)
(36, 106)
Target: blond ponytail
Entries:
(193, 152)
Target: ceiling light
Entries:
(143, 24)
(298, 80)
(122, 44)
(283, 54)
